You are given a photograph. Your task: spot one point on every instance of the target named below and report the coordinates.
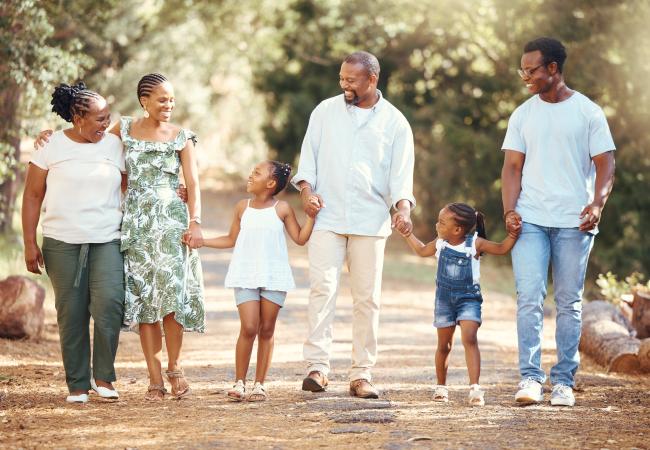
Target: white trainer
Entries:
(562, 395)
(530, 391)
(81, 398)
(476, 396)
(104, 392)
(440, 393)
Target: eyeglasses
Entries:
(527, 73)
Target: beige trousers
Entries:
(328, 252)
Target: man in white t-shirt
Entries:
(557, 175)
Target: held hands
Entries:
(42, 139)
(193, 237)
(401, 221)
(311, 203)
(513, 223)
(590, 216)
(34, 259)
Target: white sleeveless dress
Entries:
(260, 258)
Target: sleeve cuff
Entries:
(408, 197)
(297, 178)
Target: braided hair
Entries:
(147, 84)
(69, 101)
(280, 173)
(468, 218)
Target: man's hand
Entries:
(401, 220)
(513, 223)
(590, 216)
(42, 139)
(181, 191)
(311, 203)
(34, 259)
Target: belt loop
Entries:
(81, 263)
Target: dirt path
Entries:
(612, 411)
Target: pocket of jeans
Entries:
(456, 268)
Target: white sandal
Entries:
(440, 394)
(476, 396)
(258, 394)
(238, 391)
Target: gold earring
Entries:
(79, 131)
(146, 113)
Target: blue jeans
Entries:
(567, 250)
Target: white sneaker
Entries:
(530, 391)
(104, 392)
(81, 398)
(562, 395)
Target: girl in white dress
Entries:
(259, 270)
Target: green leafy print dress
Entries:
(163, 275)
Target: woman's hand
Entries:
(42, 139)
(193, 237)
(34, 259)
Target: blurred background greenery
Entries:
(248, 73)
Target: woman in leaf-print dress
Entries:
(164, 284)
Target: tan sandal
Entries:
(159, 395)
(258, 394)
(176, 375)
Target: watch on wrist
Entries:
(196, 219)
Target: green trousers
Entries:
(88, 281)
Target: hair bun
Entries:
(63, 98)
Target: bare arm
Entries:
(35, 186)
(496, 248)
(191, 176)
(228, 241)
(513, 166)
(428, 249)
(299, 235)
(605, 166)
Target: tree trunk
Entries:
(641, 314)
(9, 134)
(644, 355)
(608, 340)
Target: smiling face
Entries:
(93, 124)
(160, 102)
(359, 87)
(446, 226)
(541, 77)
(260, 179)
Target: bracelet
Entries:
(505, 214)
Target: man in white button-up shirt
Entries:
(356, 163)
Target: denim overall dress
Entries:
(457, 296)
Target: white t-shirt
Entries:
(83, 197)
(559, 140)
(476, 262)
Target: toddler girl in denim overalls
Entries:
(460, 242)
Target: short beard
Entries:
(355, 100)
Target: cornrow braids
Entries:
(468, 218)
(75, 100)
(280, 173)
(147, 84)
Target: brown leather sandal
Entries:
(155, 397)
(176, 375)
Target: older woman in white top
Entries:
(79, 174)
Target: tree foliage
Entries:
(452, 70)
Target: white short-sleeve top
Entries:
(83, 197)
(260, 258)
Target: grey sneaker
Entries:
(562, 395)
(530, 391)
